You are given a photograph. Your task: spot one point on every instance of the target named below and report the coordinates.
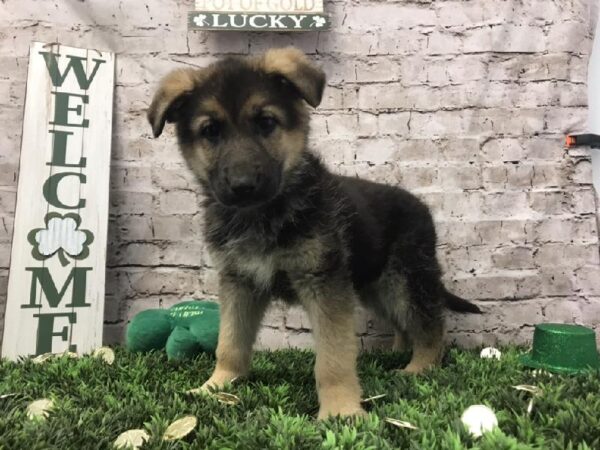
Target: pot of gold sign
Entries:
(260, 5)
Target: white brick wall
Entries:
(463, 102)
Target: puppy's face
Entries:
(242, 123)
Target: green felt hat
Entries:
(562, 348)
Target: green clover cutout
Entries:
(61, 236)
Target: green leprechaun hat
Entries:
(562, 348)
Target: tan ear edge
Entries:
(172, 88)
(292, 64)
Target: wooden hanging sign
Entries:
(259, 15)
(56, 280)
(257, 22)
(252, 6)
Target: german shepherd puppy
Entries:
(280, 225)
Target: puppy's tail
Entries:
(455, 303)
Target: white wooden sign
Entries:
(56, 281)
(274, 6)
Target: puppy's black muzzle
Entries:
(247, 182)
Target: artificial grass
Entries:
(95, 402)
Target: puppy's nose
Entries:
(244, 182)
(243, 186)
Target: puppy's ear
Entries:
(171, 93)
(294, 66)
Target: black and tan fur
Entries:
(280, 225)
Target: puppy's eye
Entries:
(211, 131)
(266, 124)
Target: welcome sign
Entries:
(56, 281)
(259, 15)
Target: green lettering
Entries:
(50, 189)
(41, 275)
(59, 150)
(61, 109)
(46, 332)
(76, 63)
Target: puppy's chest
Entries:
(261, 266)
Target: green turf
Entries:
(95, 402)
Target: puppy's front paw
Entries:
(218, 380)
(340, 399)
(340, 409)
(209, 386)
(416, 368)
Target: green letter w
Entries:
(75, 62)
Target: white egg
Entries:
(479, 419)
(490, 352)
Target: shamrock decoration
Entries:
(200, 20)
(60, 235)
(318, 21)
